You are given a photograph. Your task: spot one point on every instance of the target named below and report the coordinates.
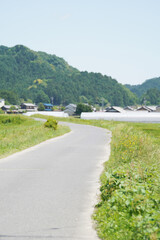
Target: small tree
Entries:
(62, 108)
(83, 108)
(55, 108)
(13, 108)
(41, 107)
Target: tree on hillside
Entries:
(10, 97)
(152, 96)
(41, 97)
(83, 99)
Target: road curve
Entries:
(48, 191)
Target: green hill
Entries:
(40, 76)
(141, 89)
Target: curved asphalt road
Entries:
(49, 191)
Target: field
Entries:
(129, 205)
(20, 132)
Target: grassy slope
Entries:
(23, 132)
(129, 207)
(130, 194)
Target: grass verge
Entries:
(129, 205)
(20, 132)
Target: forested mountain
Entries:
(41, 77)
(151, 97)
(141, 89)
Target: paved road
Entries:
(48, 191)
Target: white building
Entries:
(147, 108)
(158, 108)
(29, 107)
(114, 109)
(2, 102)
(70, 109)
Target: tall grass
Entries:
(129, 205)
(130, 193)
(20, 132)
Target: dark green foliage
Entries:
(9, 96)
(152, 96)
(62, 108)
(40, 77)
(41, 107)
(81, 107)
(141, 89)
(51, 123)
(41, 97)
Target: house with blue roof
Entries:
(48, 106)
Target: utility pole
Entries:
(102, 104)
(52, 99)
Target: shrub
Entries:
(81, 107)
(41, 107)
(13, 108)
(51, 123)
(55, 108)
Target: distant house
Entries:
(6, 109)
(128, 108)
(158, 108)
(2, 102)
(114, 109)
(143, 108)
(48, 106)
(147, 108)
(70, 109)
(152, 108)
(30, 107)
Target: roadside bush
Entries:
(51, 123)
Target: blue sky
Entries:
(118, 38)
